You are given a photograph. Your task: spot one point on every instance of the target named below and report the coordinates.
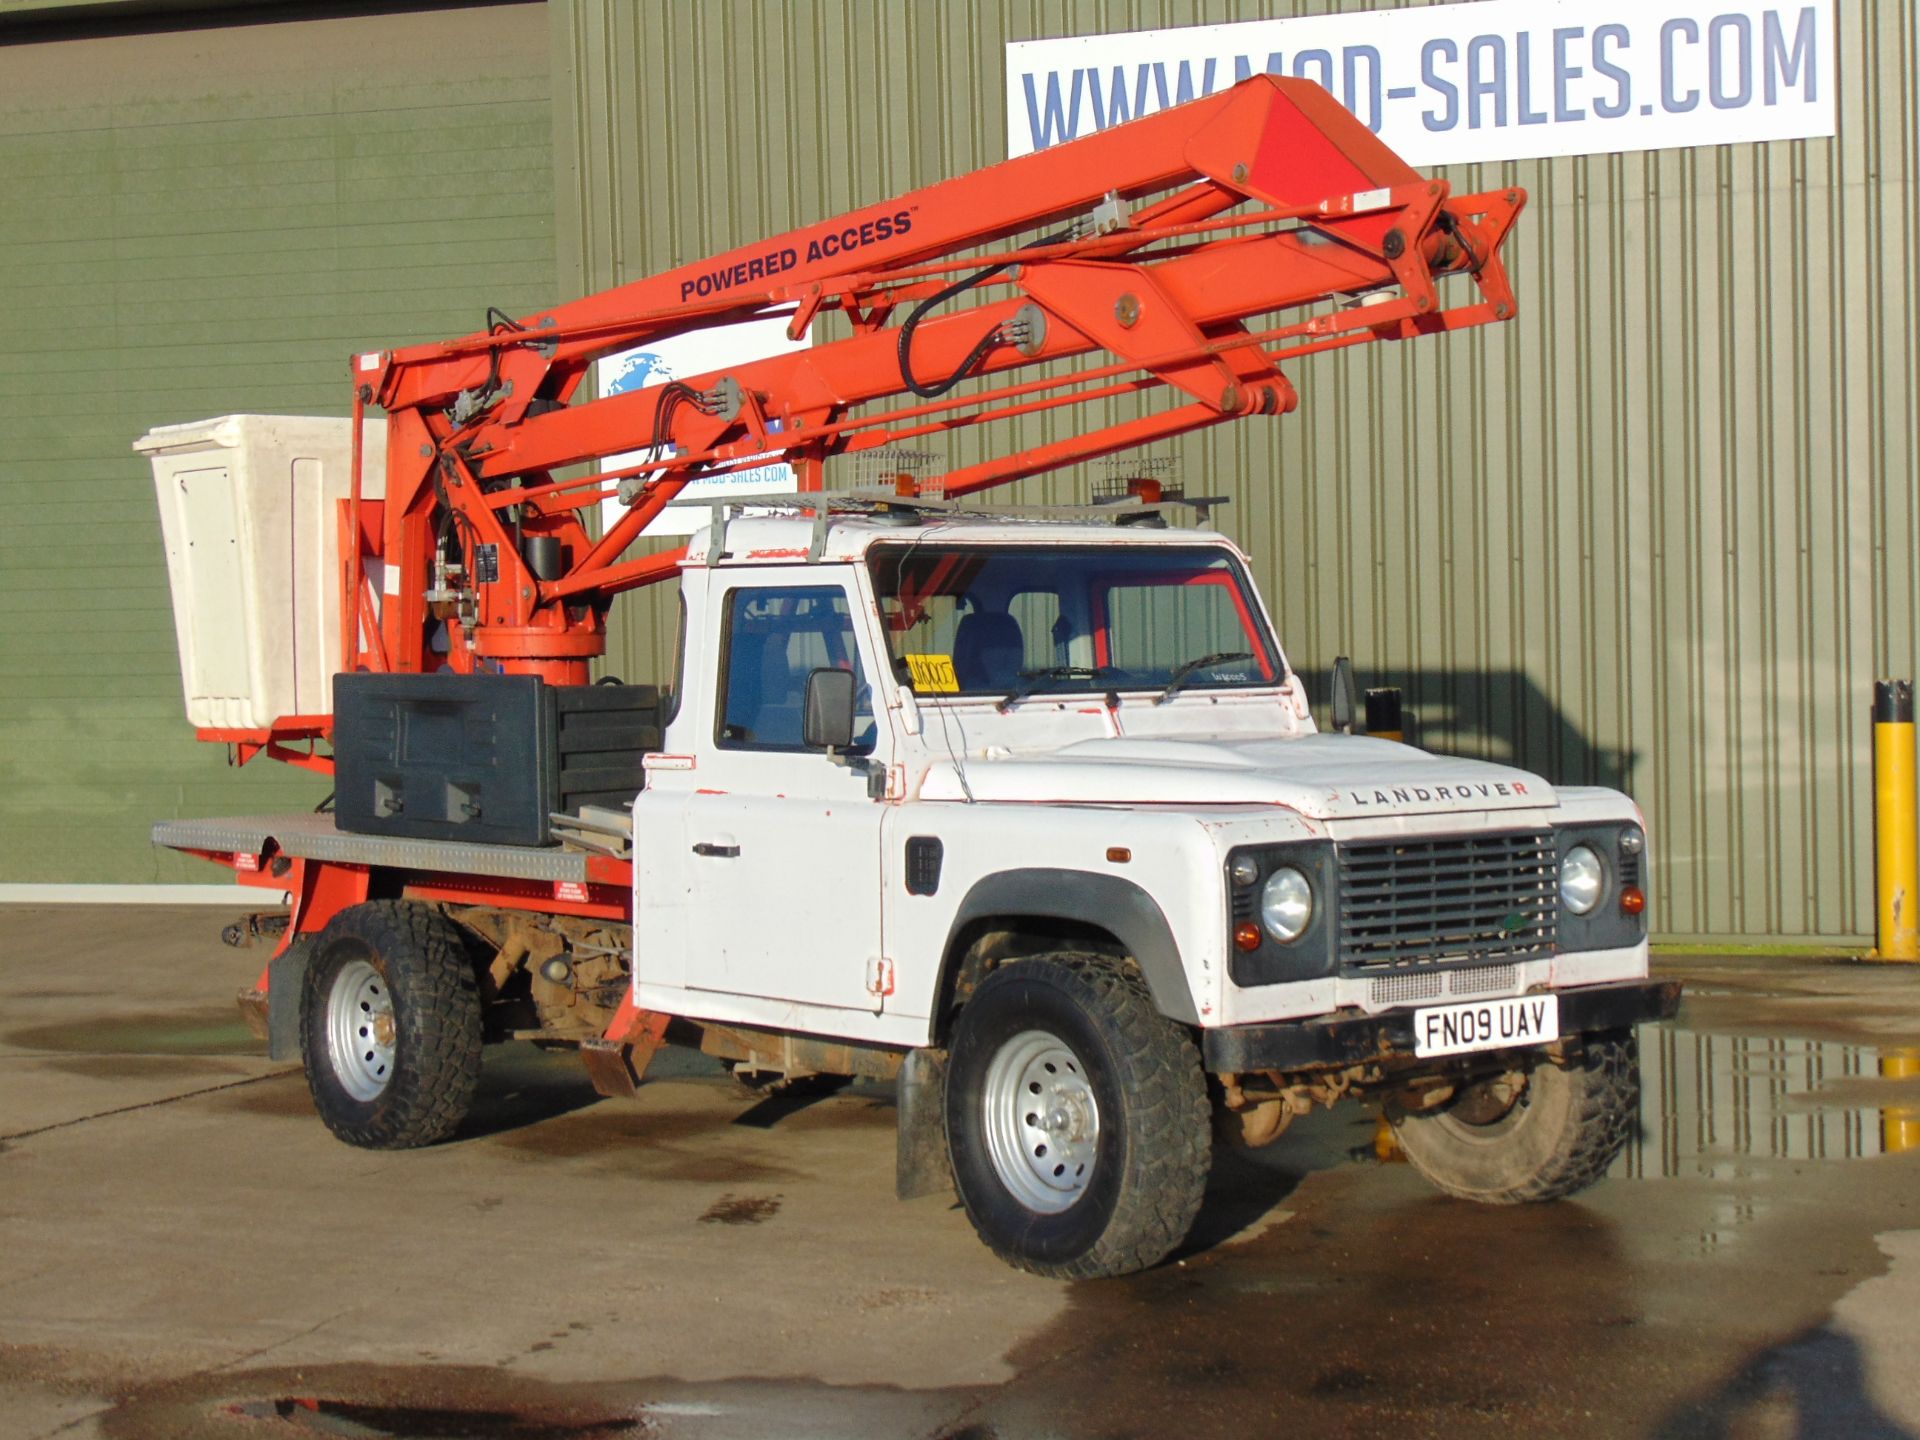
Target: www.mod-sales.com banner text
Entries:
(1484, 80)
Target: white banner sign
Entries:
(698, 352)
(1485, 80)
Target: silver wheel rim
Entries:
(360, 1030)
(1042, 1122)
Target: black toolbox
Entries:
(485, 758)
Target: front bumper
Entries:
(1336, 1043)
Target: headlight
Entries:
(1286, 904)
(1581, 880)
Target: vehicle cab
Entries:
(1093, 725)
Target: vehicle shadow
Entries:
(522, 1085)
(1497, 715)
(778, 1102)
(1247, 1188)
(1812, 1385)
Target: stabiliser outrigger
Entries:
(737, 896)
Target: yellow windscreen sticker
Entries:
(933, 674)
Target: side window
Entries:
(776, 636)
(679, 665)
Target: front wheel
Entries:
(390, 1026)
(1540, 1133)
(1077, 1118)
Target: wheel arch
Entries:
(1012, 913)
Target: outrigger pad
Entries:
(610, 1067)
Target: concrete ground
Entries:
(188, 1253)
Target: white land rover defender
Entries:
(1042, 805)
(1028, 814)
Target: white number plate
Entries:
(1486, 1025)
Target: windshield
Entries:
(968, 620)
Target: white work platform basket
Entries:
(249, 512)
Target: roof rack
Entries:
(826, 506)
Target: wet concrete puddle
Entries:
(1321, 1293)
(351, 1421)
(213, 1031)
(741, 1210)
(1709, 1098)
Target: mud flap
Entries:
(922, 1165)
(286, 977)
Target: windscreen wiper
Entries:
(1193, 667)
(1032, 680)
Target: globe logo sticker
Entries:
(635, 370)
(697, 356)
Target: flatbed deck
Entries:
(311, 836)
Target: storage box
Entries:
(484, 758)
(249, 516)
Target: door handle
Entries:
(717, 852)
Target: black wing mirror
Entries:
(1345, 696)
(828, 721)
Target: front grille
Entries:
(1406, 988)
(1465, 899)
(1411, 987)
(1494, 980)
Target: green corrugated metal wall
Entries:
(192, 223)
(1660, 532)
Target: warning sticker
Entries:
(933, 674)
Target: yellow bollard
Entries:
(1899, 1124)
(1386, 1143)
(1896, 853)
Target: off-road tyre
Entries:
(1559, 1137)
(1153, 1146)
(423, 965)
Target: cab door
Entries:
(784, 842)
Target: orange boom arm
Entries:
(1162, 245)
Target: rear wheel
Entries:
(390, 1026)
(1077, 1118)
(1536, 1133)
